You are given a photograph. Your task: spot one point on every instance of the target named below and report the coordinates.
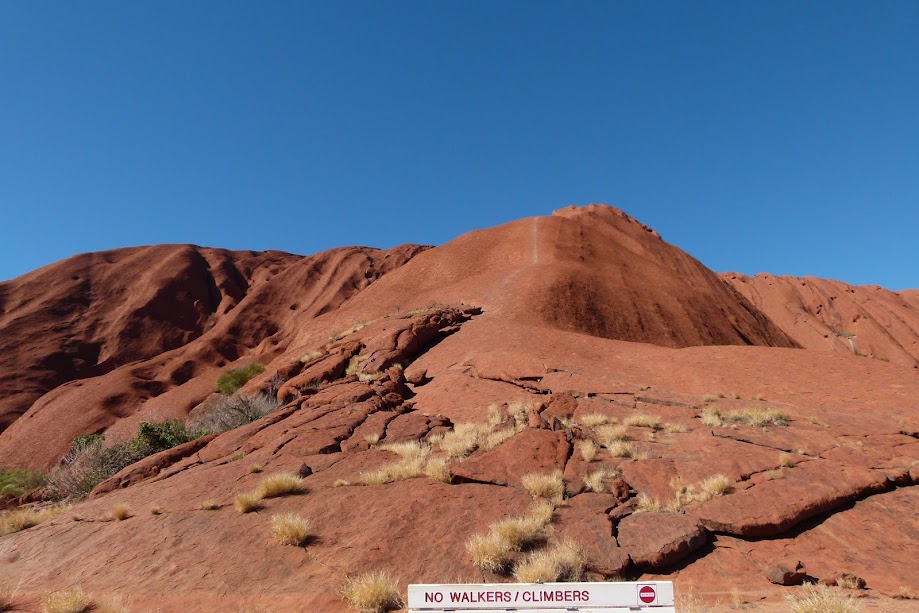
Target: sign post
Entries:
(590, 597)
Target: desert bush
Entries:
(74, 600)
(564, 561)
(290, 529)
(550, 486)
(247, 503)
(89, 463)
(643, 420)
(813, 598)
(17, 481)
(281, 484)
(24, 518)
(372, 592)
(153, 437)
(233, 412)
(232, 379)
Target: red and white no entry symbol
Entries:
(647, 594)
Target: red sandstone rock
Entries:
(587, 305)
(659, 540)
(530, 451)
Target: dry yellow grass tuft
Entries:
(312, 355)
(490, 551)
(518, 412)
(683, 494)
(487, 552)
(646, 504)
(372, 439)
(340, 483)
(438, 469)
(550, 486)
(254, 469)
(157, 510)
(592, 420)
(812, 598)
(465, 438)
(610, 434)
(461, 441)
(594, 481)
(281, 484)
(760, 417)
(121, 511)
(372, 592)
(290, 529)
(711, 417)
(786, 460)
(588, 450)
(754, 416)
(408, 450)
(564, 561)
(247, 503)
(643, 420)
(489, 441)
(675, 428)
(209, 505)
(24, 518)
(354, 365)
(74, 600)
(620, 449)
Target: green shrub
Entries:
(234, 378)
(89, 463)
(153, 437)
(18, 481)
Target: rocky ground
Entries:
(695, 434)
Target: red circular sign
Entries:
(647, 594)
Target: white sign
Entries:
(652, 596)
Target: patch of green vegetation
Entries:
(18, 481)
(233, 379)
(89, 463)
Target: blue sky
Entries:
(779, 137)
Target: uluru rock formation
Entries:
(680, 424)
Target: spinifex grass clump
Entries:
(491, 551)
(372, 592)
